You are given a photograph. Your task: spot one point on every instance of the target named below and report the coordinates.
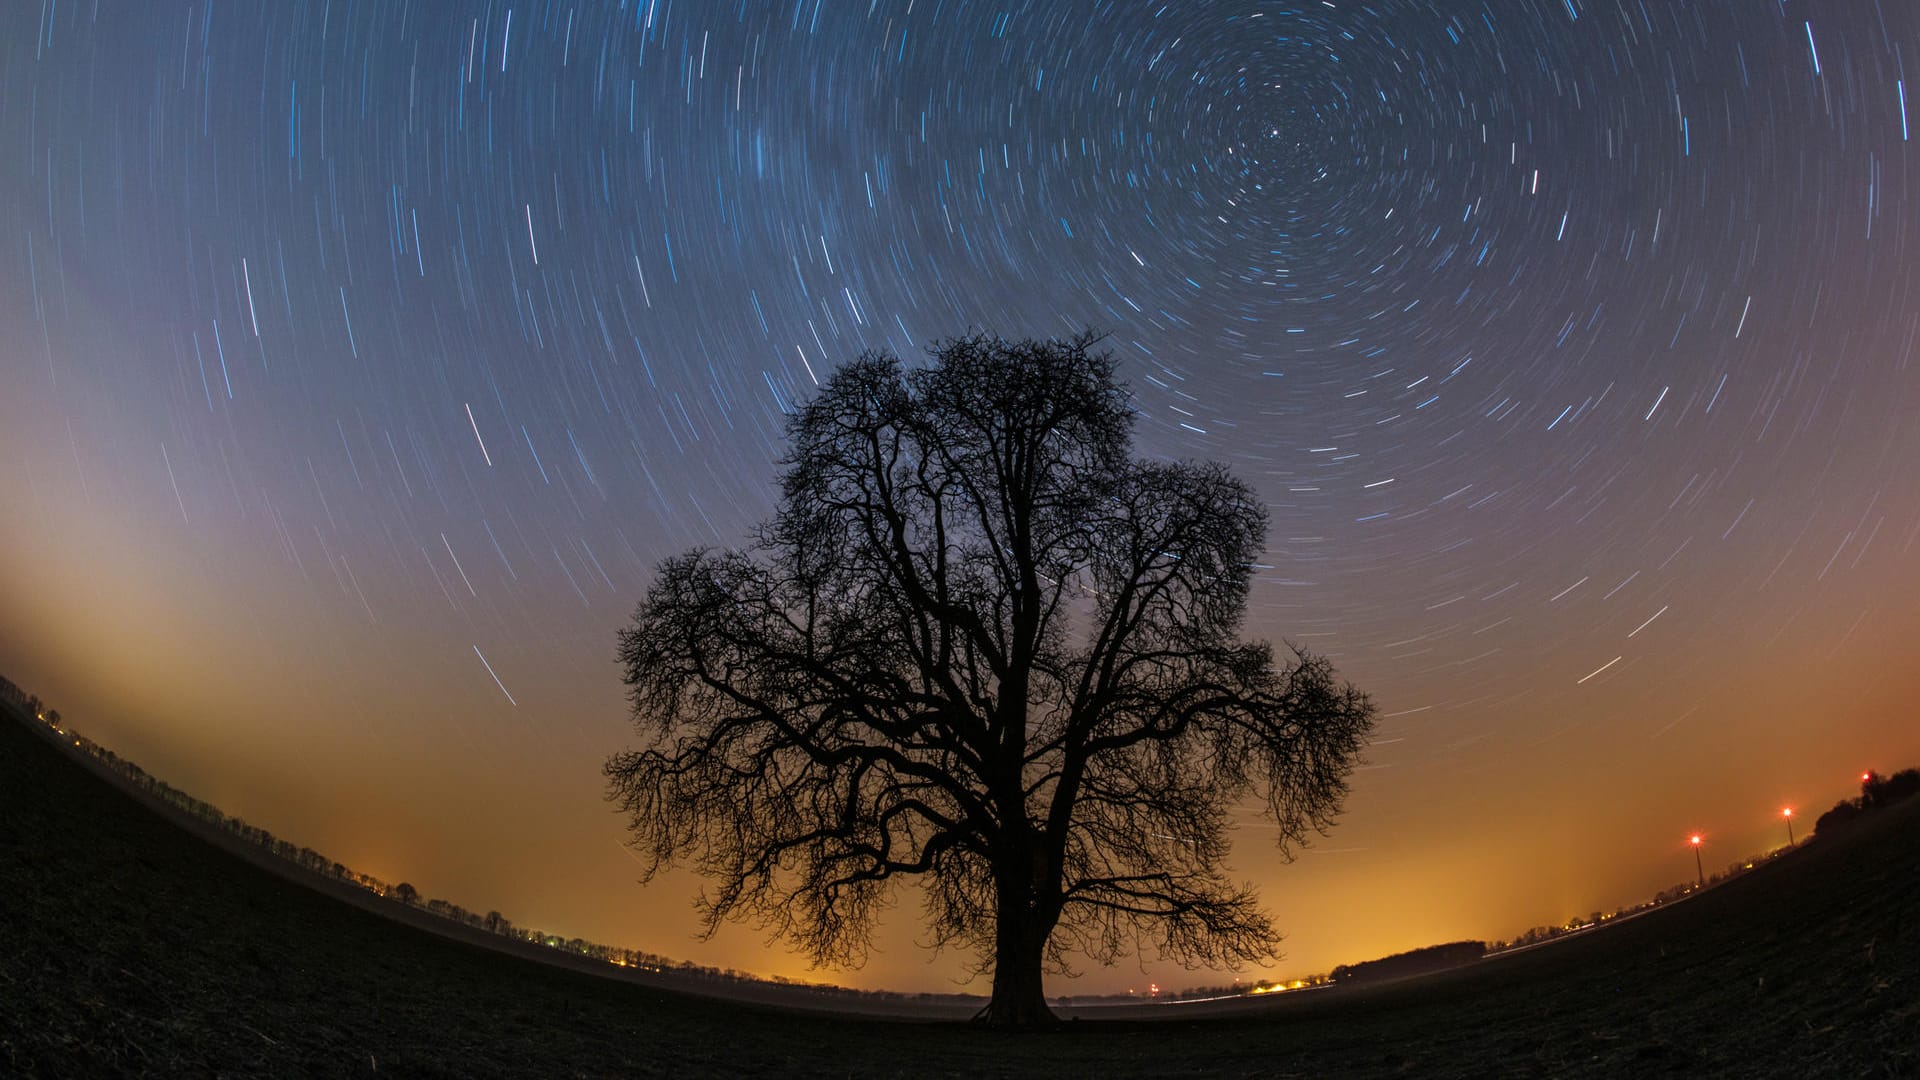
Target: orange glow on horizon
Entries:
(255, 728)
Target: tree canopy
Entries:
(981, 645)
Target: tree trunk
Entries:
(1019, 1001)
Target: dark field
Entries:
(129, 947)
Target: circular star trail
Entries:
(362, 358)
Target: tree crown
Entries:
(979, 642)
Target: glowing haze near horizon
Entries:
(361, 358)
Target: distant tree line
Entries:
(1876, 791)
(1574, 925)
(28, 703)
(1540, 934)
(1413, 962)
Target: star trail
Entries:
(362, 358)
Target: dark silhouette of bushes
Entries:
(1876, 792)
(1416, 962)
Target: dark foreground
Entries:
(128, 947)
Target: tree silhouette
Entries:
(980, 644)
(1876, 791)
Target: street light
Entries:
(1787, 812)
(1697, 869)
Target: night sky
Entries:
(360, 360)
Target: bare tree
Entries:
(980, 644)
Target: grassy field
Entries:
(128, 947)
